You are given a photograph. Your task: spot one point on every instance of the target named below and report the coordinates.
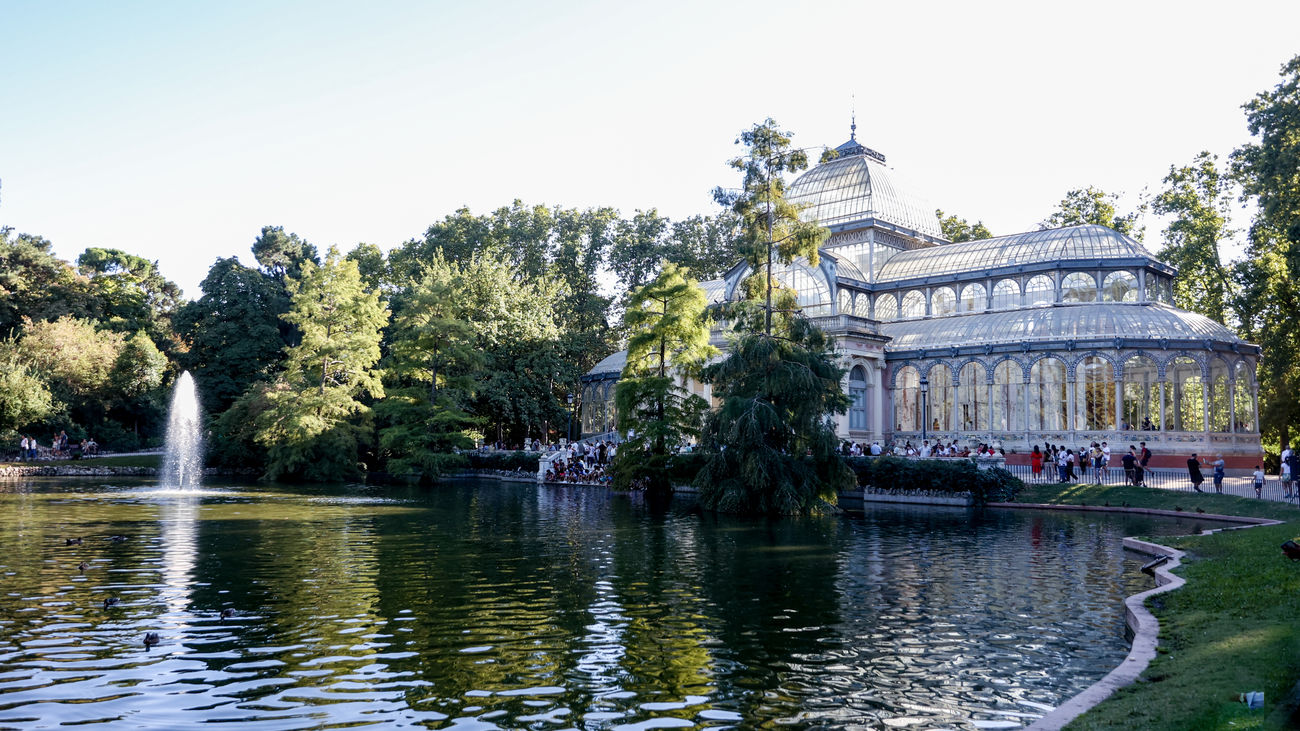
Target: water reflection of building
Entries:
(1063, 335)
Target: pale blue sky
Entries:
(176, 130)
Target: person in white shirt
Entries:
(925, 448)
(1105, 462)
(875, 449)
(1259, 481)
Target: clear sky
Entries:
(176, 130)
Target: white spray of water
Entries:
(183, 458)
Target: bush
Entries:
(507, 461)
(957, 477)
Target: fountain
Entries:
(183, 457)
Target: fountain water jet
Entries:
(183, 456)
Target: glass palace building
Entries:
(1062, 336)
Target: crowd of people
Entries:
(583, 463)
(30, 450)
(925, 449)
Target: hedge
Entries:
(956, 476)
(508, 461)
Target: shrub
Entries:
(956, 477)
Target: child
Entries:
(1259, 481)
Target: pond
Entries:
(496, 605)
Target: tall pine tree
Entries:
(316, 417)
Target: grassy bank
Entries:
(135, 460)
(1234, 627)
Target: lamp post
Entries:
(569, 429)
(925, 406)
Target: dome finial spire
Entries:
(853, 117)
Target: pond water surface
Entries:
(485, 605)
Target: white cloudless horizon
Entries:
(176, 131)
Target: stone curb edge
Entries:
(1140, 620)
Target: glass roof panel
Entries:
(1080, 322)
(1075, 243)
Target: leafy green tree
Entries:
(372, 265)
(283, 255)
(233, 333)
(311, 428)
(36, 284)
(669, 340)
(1198, 198)
(129, 292)
(639, 247)
(705, 246)
(24, 397)
(770, 228)
(1268, 170)
(771, 446)
(957, 229)
(1093, 205)
(431, 367)
(136, 381)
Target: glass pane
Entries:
(1078, 287)
(1040, 290)
(1047, 399)
(943, 301)
(1141, 394)
(886, 308)
(940, 398)
(1120, 287)
(1094, 394)
(1007, 384)
(972, 398)
(913, 305)
(974, 298)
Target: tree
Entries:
(1093, 205)
(1268, 170)
(24, 397)
(958, 229)
(37, 285)
(129, 293)
(771, 446)
(234, 334)
(282, 255)
(311, 428)
(1198, 198)
(669, 340)
(770, 225)
(432, 344)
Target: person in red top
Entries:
(1036, 463)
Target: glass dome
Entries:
(855, 187)
(1088, 243)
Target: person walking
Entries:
(1194, 472)
(1129, 460)
(1293, 490)
(1144, 456)
(1218, 474)
(1259, 481)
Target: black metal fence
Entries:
(1162, 479)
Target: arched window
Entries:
(1008, 381)
(1047, 400)
(974, 298)
(1245, 397)
(858, 398)
(1006, 295)
(907, 399)
(943, 301)
(1094, 394)
(1219, 395)
(862, 305)
(886, 308)
(845, 301)
(940, 399)
(972, 398)
(809, 285)
(913, 305)
(1040, 290)
(1141, 393)
(1187, 403)
(1120, 287)
(1079, 287)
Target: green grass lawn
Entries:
(139, 460)
(1234, 627)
